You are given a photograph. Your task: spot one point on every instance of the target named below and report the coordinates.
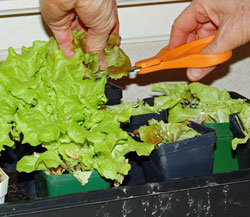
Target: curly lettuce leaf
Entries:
(122, 111)
(19, 72)
(109, 125)
(207, 94)
(8, 105)
(159, 132)
(165, 102)
(79, 40)
(131, 145)
(44, 161)
(178, 114)
(36, 125)
(237, 141)
(5, 139)
(82, 177)
(111, 168)
(126, 110)
(132, 108)
(79, 134)
(27, 164)
(118, 62)
(178, 89)
(245, 117)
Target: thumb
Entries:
(216, 46)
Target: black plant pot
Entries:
(136, 174)
(243, 150)
(139, 120)
(235, 95)
(113, 94)
(186, 158)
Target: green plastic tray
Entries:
(224, 157)
(47, 185)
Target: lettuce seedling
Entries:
(158, 132)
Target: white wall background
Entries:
(145, 26)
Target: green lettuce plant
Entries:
(198, 102)
(51, 101)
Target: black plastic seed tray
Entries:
(223, 195)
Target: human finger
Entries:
(100, 19)
(59, 16)
(187, 24)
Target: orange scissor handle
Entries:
(184, 56)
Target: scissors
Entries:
(184, 56)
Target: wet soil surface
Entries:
(21, 185)
(17, 189)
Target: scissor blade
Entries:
(135, 69)
(133, 72)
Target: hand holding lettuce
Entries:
(118, 62)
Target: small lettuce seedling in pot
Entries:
(158, 132)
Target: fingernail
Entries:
(194, 74)
(103, 64)
(69, 54)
